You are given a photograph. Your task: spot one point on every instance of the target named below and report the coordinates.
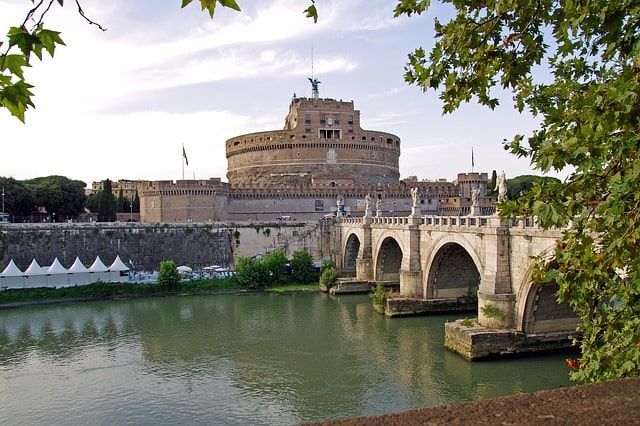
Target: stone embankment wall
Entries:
(196, 245)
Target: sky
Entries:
(120, 104)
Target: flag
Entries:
(184, 154)
(472, 162)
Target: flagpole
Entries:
(472, 160)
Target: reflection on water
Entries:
(237, 359)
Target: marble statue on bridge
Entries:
(367, 205)
(379, 207)
(501, 187)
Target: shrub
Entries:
(250, 273)
(168, 275)
(327, 264)
(303, 269)
(379, 297)
(274, 264)
(328, 277)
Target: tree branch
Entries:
(81, 12)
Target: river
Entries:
(238, 359)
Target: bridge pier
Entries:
(364, 262)
(364, 269)
(410, 283)
(496, 300)
(411, 270)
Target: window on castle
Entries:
(307, 118)
(329, 133)
(336, 119)
(307, 129)
(350, 129)
(323, 118)
(350, 119)
(319, 205)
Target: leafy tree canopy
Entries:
(520, 185)
(302, 266)
(18, 197)
(59, 195)
(589, 110)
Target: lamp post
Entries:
(3, 199)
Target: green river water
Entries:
(238, 359)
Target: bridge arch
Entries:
(388, 261)
(453, 269)
(350, 253)
(538, 308)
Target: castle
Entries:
(322, 155)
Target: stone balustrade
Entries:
(450, 221)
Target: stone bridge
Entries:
(440, 259)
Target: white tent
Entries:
(35, 276)
(99, 272)
(78, 274)
(11, 277)
(119, 272)
(57, 275)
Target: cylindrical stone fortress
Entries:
(322, 144)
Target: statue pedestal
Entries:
(415, 211)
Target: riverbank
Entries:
(606, 403)
(108, 291)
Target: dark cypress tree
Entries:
(106, 204)
(136, 203)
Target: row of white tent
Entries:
(57, 275)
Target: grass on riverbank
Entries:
(293, 288)
(124, 290)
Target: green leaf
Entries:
(311, 12)
(14, 63)
(230, 4)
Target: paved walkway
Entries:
(608, 403)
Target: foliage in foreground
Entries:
(589, 108)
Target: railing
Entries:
(450, 221)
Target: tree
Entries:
(168, 276)
(274, 264)
(59, 195)
(250, 273)
(589, 110)
(520, 185)
(302, 266)
(91, 203)
(18, 197)
(31, 38)
(106, 203)
(136, 203)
